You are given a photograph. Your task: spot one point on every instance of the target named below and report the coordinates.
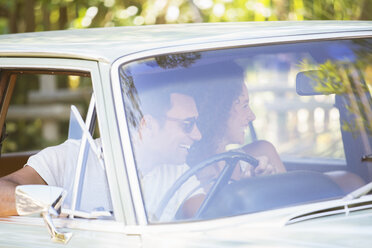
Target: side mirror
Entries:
(45, 200)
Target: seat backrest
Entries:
(347, 181)
(11, 162)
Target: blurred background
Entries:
(17, 16)
(39, 112)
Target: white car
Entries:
(267, 125)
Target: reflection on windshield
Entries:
(346, 79)
(255, 128)
(133, 106)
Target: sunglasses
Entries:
(187, 124)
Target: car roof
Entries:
(109, 44)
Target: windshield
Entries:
(236, 131)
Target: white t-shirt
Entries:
(157, 182)
(57, 166)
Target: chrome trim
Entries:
(118, 98)
(34, 199)
(56, 236)
(91, 109)
(219, 45)
(86, 215)
(81, 224)
(44, 200)
(79, 173)
(54, 55)
(342, 206)
(81, 166)
(47, 63)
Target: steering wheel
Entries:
(231, 158)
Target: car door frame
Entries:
(81, 226)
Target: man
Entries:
(166, 139)
(170, 139)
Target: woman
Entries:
(224, 115)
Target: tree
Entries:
(40, 15)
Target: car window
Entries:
(36, 116)
(39, 109)
(249, 129)
(38, 112)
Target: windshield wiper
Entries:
(358, 192)
(367, 157)
(362, 190)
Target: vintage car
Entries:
(192, 135)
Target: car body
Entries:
(282, 61)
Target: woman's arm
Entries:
(263, 148)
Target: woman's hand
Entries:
(264, 167)
(244, 169)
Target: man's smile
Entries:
(187, 147)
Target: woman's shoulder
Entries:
(259, 144)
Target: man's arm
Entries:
(26, 175)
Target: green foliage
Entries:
(347, 79)
(41, 15)
(29, 133)
(17, 15)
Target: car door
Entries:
(36, 95)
